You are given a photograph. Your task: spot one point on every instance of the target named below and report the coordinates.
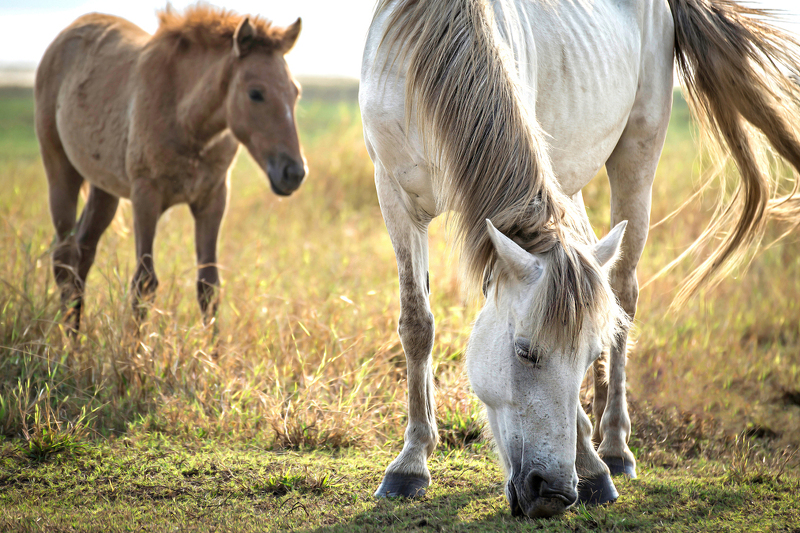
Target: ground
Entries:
(287, 418)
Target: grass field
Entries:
(287, 419)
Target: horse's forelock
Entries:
(210, 26)
(573, 289)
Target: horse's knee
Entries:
(416, 332)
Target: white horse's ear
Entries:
(514, 259)
(290, 35)
(607, 249)
(243, 37)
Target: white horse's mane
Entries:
(493, 159)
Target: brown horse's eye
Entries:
(256, 95)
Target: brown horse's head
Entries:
(261, 103)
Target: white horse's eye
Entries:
(523, 349)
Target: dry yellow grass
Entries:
(307, 354)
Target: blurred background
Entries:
(333, 31)
(332, 43)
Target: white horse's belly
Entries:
(576, 153)
(580, 82)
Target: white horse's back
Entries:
(592, 60)
(577, 63)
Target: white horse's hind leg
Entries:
(631, 169)
(408, 474)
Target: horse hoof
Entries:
(618, 465)
(402, 486)
(597, 491)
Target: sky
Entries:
(330, 45)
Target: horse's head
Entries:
(261, 103)
(528, 375)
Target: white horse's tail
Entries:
(737, 68)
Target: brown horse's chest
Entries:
(193, 179)
(191, 185)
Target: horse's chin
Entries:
(545, 507)
(538, 506)
(278, 191)
(282, 189)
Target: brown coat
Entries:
(158, 119)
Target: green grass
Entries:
(288, 418)
(157, 484)
(17, 140)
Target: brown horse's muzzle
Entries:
(285, 174)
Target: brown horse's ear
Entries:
(243, 38)
(290, 35)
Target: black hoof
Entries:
(618, 466)
(402, 486)
(597, 491)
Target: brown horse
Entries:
(158, 119)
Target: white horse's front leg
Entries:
(631, 169)
(408, 474)
(595, 485)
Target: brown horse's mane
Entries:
(210, 27)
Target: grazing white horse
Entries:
(502, 111)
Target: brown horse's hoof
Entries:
(619, 466)
(597, 491)
(402, 486)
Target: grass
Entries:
(287, 419)
(157, 483)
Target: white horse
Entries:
(502, 111)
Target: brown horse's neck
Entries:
(202, 87)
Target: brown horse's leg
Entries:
(147, 208)
(97, 214)
(207, 221)
(600, 380)
(64, 184)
